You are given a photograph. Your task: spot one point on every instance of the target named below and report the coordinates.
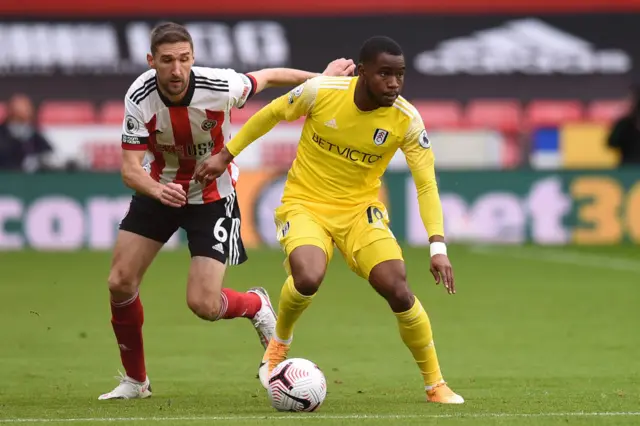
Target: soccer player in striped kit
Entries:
(179, 115)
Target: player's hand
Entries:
(443, 272)
(213, 167)
(173, 195)
(340, 67)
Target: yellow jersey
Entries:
(343, 151)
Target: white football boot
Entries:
(265, 319)
(128, 389)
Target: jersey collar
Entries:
(186, 100)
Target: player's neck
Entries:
(363, 101)
(183, 98)
(174, 99)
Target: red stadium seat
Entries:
(553, 113)
(607, 111)
(104, 156)
(278, 156)
(66, 112)
(500, 114)
(239, 116)
(3, 112)
(112, 112)
(439, 114)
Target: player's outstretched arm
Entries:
(278, 77)
(290, 107)
(421, 161)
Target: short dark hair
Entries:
(377, 45)
(169, 32)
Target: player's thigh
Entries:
(143, 231)
(213, 231)
(204, 286)
(380, 251)
(307, 244)
(213, 234)
(151, 219)
(369, 241)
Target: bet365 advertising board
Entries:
(82, 211)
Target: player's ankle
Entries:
(282, 341)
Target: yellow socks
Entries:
(415, 330)
(291, 305)
(414, 325)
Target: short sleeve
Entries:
(134, 132)
(241, 88)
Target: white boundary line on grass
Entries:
(561, 256)
(302, 417)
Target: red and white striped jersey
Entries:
(181, 136)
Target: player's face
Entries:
(173, 62)
(385, 78)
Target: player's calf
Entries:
(209, 301)
(389, 279)
(207, 309)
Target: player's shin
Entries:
(415, 330)
(291, 305)
(127, 318)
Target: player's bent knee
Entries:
(308, 281)
(390, 281)
(401, 298)
(308, 266)
(206, 309)
(122, 284)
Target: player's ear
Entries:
(150, 60)
(360, 68)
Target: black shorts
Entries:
(213, 229)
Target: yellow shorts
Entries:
(352, 230)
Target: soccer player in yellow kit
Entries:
(353, 127)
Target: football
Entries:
(297, 384)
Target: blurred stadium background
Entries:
(520, 99)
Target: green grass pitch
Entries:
(534, 336)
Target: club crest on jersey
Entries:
(208, 125)
(132, 124)
(423, 140)
(380, 136)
